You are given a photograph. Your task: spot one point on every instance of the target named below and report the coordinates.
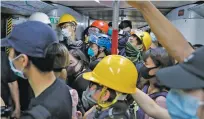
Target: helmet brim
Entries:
(90, 77)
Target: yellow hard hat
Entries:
(67, 18)
(115, 72)
(146, 40)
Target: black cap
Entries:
(187, 75)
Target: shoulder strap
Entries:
(145, 89)
(155, 95)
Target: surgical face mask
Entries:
(16, 71)
(91, 52)
(87, 99)
(145, 72)
(181, 105)
(66, 32)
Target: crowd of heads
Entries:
(111, 78)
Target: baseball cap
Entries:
(186, 75)
(31, 38)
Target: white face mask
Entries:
(66, 33)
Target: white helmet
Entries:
(39, 16)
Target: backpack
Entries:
(140, 112)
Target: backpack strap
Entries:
(155, 95)
(145, 89)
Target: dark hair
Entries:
(112, 95)
(197, 46)
(159, 56)
(110, 24)
(139, 42)
(43, 64)
(85, 32)
(161, 59)
(190, 44)
(79, 55)
(125, 24)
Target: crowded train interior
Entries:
(102, 59)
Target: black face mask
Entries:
(145, 72)
(71, 69)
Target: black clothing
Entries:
(55, 102)
(7, 76)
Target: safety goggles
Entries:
(94, 30)
(67, 25)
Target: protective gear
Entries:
(133, 53)
(112, 72)
(16, 71)
(102, 25)
(144, 37)
(110, 31)
(146, 40)
(66, 33)
(145, 72)
(71, 69)
(41, 17)
(87, 98)
(106, 104)
(181, 105)
(67, 18)
(101, 40)
(90, 52)
(93, 30)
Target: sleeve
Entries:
(12, 76)
(161, 101)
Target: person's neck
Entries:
(152, 89)
(40, 81)
(57, 74)
(73, 37)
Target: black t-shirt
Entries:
(7, 76)
(55, 100)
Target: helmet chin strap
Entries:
(106, 104)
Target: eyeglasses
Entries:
(66, 26)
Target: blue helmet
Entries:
(102, 40)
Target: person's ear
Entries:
(74, 28)
(106, 95)
(25, 60)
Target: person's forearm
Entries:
(13, 86)
(166, 33)
(149, 106)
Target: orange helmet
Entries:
(102, 25)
